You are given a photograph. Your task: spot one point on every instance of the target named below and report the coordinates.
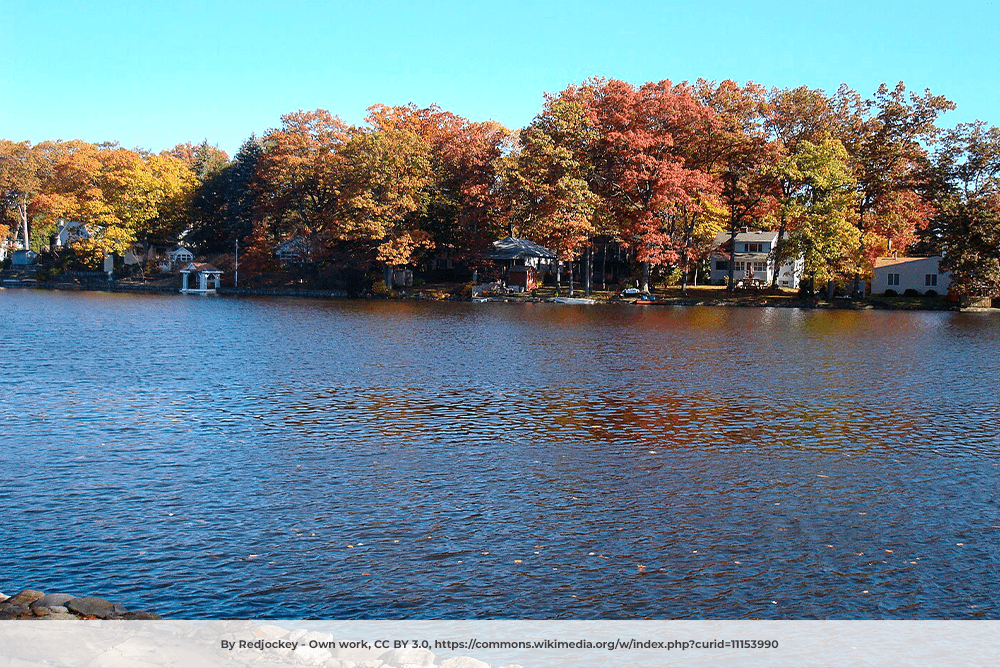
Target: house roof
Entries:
(746, 237)
(516, 249)
(890, 261)
(178, 249)
(201, 267)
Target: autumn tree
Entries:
(121, 195)
(637, 162)
(204, 159)
(460, 196)
(887, 139)
(301, 171)
(22, 171)
(544, 181)
(967, 171)
(743, 154)
(383, 179)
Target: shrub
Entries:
(380, 289)
(910, 292)
(931, 293)
(890, 293)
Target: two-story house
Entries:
(753, 255)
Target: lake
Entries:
(218, 457)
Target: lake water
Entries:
(207, 457)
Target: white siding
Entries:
(912, 273)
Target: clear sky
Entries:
(153, 74)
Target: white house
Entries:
(70, 231)
(179, 255)
(753, 255)
(910, 273)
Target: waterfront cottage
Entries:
(295, 250)
(178, 255)
(511, 252)
(899, 274)
(206, 278)
(753, 256)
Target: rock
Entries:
(92, 606)
(59, 615)
(140, 614)
(26, 597)
(312, 655)
(40, 610)
(269, 631)
(463, 662)
(59, 608)
(412, 656)
(13, 611)
(318, 637)
(50, 600)
(3, 597)
(296, 634)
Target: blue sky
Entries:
(151, 75)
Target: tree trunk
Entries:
(387, 275)
(778, 252)
(569, 270)
(604, 267)
(685, 253)
(645, 277)
(696, 275)
(588, 269)
(22, 210)
(732, 257)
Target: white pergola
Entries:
(207, 277)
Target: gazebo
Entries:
(206, 276)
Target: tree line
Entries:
(659, 168)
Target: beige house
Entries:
(900, 274)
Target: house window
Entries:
(739, 265)
(930, 280)
(760, 266)
(722, 265)
(893, 279)
(755, 248)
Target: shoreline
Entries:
(750, 301)
(37, 605)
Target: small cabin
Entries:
(206, 278)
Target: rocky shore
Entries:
(34, 604)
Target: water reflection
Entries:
(265, 458)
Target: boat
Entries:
(573, 300)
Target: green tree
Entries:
(820, 211)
